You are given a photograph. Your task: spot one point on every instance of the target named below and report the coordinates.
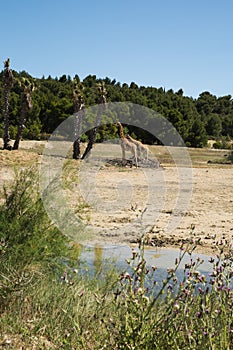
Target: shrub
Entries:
(25, 229)
(222, 144)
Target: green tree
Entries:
(206, 103)
(197, 135)
(214, 125)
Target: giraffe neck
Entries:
(133, 140)
(121, 132)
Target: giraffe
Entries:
(126, 145)
(141, 149)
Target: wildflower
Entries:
(176, 307)
(144, 297)
(81, 293)
(126, 275)
(213, 274)
(196, 273)
(220, 269)
(201, 291)
(137, 278)
(135, 301)
(140, 290)
(217, 311)
(65, 277)
(170, 270)
(202, 278)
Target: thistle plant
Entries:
(188, 310)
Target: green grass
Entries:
(47, 301)
(119, 312)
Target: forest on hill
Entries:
(196, 120)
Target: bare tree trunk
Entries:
(20, 128)
(76, 149)
(7, 83)
(94, 131)
(79, 112)
(26, 105)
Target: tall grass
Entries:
(46, 304)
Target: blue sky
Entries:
(174, 44)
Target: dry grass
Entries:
(199, 156)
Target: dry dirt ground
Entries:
(169, 202)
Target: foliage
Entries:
(195, 119)
(26, 234)
(222, 143)
(47, 303)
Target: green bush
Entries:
(12, 131)
(222, 144)
(25, 228)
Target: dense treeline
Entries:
(196, 120)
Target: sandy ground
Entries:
(169, 203)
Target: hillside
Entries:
(196, 120)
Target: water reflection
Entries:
(97, 256)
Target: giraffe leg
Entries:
(123, 152)
(135, 156)
(139, 153)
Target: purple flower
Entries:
(201, 291)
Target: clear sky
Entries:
(184, 44)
